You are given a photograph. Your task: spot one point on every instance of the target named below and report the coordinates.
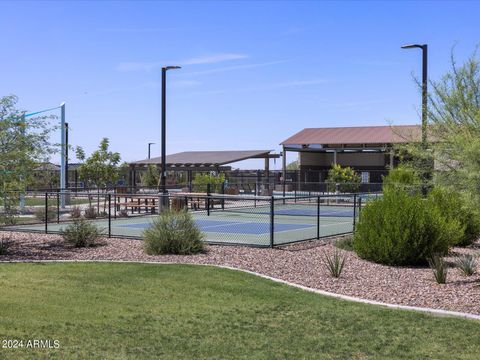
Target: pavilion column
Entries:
(267, 172)
(334, 157)
(391, 158)
(189, 179)
(284, 168)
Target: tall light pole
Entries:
(164, 126)
(149, 145)
(63, 155)
(424, 48)
(66, 155)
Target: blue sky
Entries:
(253, 73)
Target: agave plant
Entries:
(467, 264)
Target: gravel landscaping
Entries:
(301, 264)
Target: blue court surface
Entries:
(229, 227)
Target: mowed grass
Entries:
(143, 311)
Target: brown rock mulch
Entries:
(301, 264)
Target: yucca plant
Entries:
(335, 262)
(467, 264)
(439, 268)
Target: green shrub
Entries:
(334, 263)
(81, 233)
(402, 177)
(345, 243)
(173, 232)
(403, 229)
(40, 213)
(202, 180)
(439, 268)
(343, 179)
(453, 205)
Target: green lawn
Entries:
(120, 311)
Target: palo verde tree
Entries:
(454, 115)
(23, 145)
(453, 130)
(100, 169)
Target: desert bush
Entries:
(439, 268)
(453, 205)
(123, 213)
(467, 264)
(4, 245)
(173, 232)
(81, 233)
(335, 262)
(403, 229)
(90, 213)
(345, 243)
(40, 213)
(76, 212)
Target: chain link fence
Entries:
(253, 220)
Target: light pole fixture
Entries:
(164, 126)
(424, 48)
(149, 145)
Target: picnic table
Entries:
(136, 202)
(196, 200)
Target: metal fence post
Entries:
(272, 221)
(115, 203)
(46, 213)
(58, 207)
(109, 215)
(207, 202)
(354, 210)
(318, 217)
(223, 195)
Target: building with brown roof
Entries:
(367, 149)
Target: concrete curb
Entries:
(436, 312)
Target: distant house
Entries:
(367, 149)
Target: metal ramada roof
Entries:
(356, 135)
(189, 158)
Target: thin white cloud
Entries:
(213, 59)
(235, 67)
(149, 66)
